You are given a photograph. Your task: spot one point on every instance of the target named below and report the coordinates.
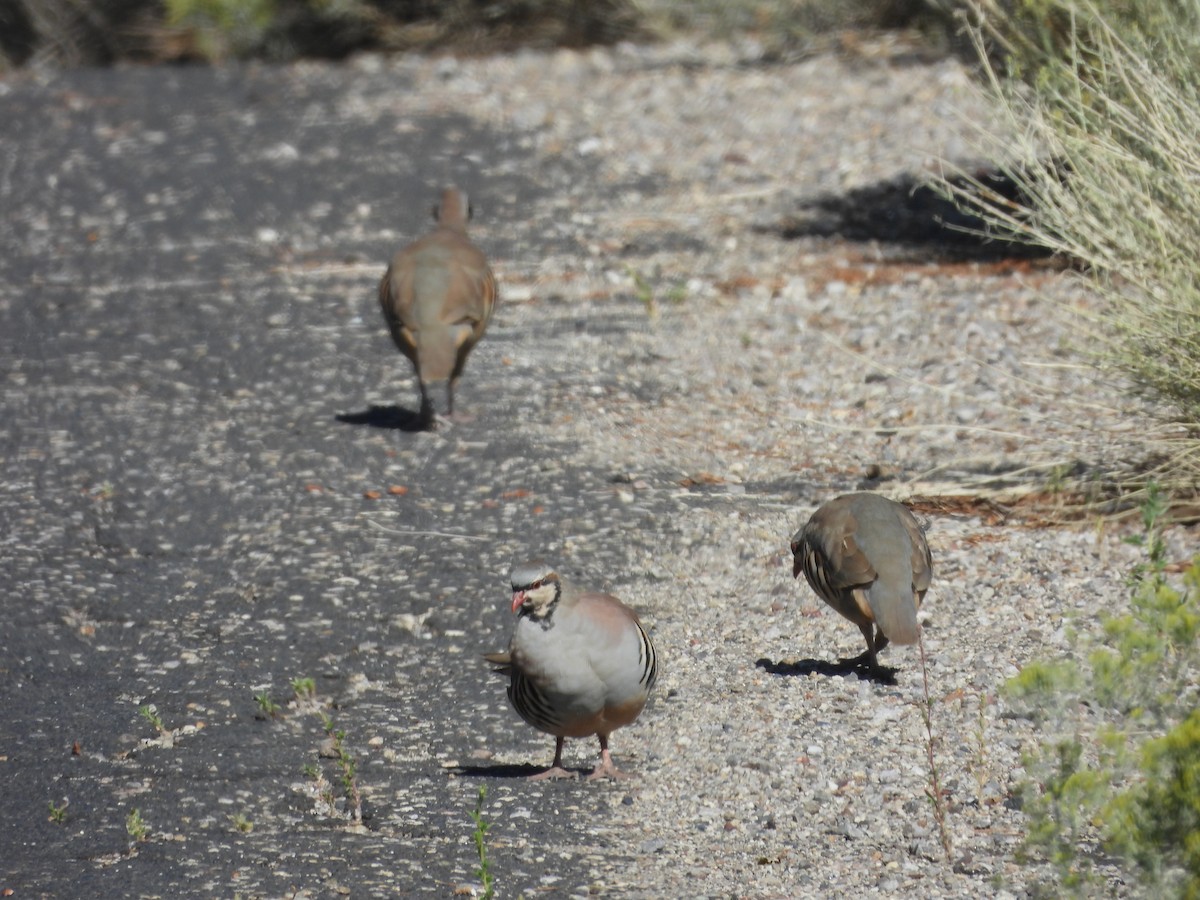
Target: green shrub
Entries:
(223, 28)
(1119, 769)
(1157, 823)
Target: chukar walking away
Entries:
(437, 297)
(579, 663)
(866, 556)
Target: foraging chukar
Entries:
(579, 663)
(866, 556)
(437, 297)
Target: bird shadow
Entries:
(395, 418)
(502, 770)
(857, 666)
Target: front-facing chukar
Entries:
(579, 663)
(866, 556)
(437, 297)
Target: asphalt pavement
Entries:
(222, 542)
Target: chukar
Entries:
(579, 663)
(866, 556)
(437, 297)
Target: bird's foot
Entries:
(442, 421)
(606, 769)
(864, 660)
(868, 667)
(554, 773)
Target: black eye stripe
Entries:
(531, 586)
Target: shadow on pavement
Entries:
(503, 770)
(858, 666)
(396, 418)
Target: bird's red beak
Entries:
(518, 599)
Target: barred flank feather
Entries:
(867, 557)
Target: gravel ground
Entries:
(768, 377)
(668, 391)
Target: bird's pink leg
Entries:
(451, 417)
(556, 770)
(606, 769)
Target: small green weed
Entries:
(333, 748)
(267, 706)
(677, 294)
(242, 822)
(347, 768)
(643, 290)
(482, 827)
(58, 813)
(304, 688)
(136, 827)
(1154, 508)
(150, 713)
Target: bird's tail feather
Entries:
(895, 612)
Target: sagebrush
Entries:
(1102, 110)
(1117, 773)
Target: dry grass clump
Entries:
(1103, 99)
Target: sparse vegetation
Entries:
(334, 747)
(482, 826)
(647, 291)
(136, 827)
(935, 793)
(304, 688)
(149, 712)
(979, 749)
(677, 294)
(242, 822)
(325, 793)
(643, 290)
(1119, 769)
(268, 707)
(347, 768)
(58, 812)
